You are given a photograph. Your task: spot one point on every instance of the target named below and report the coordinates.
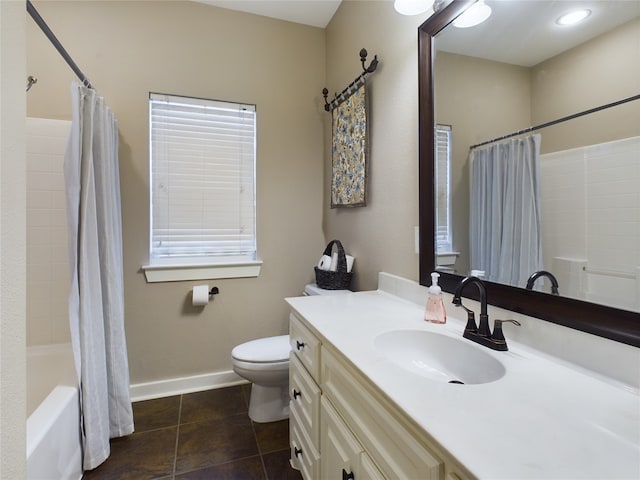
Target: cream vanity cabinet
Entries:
(342, 427)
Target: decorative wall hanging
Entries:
(349, 140)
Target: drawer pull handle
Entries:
(297, 451)
(299, 345)
(296, 394)
(347, 476)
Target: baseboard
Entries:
(178, 386)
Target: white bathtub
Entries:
(53, 414)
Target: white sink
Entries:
(439, 357)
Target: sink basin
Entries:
(439, 357)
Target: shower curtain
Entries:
(96, 299)
(506, 239)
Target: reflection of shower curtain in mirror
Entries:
(505, 210)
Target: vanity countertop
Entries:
(542, 420)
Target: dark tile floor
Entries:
(198, 436)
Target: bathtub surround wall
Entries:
(591, 221)
(12, 240)
(192, 49)
(47, 239)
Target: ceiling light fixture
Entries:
(412, 7)
(574, 17)
(474, 15)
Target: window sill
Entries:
(446, 259)
(201, 271)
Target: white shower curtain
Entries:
(506, 239)
(96, 299)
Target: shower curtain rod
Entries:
(559, 120)
(56, 43)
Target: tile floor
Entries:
(198, 436)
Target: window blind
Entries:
(202, 178)
(443, 182)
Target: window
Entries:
(444, 243)
(202, 185)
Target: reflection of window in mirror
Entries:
(444, 244)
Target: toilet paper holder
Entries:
(201, 295)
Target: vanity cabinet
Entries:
(342, 426)
(304, 400)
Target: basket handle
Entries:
(342, 259)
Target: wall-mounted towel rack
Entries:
(353, 86)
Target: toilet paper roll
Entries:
(334, 262)
(200, 295)
(325, 262)
(350, 261)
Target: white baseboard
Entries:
(178, 386)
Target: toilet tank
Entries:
(313, 289)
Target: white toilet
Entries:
(265, 363)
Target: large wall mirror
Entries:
(518, 70)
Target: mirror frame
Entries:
(608, 322)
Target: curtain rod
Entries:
(56, 43)
(559, 120)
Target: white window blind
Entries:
(202, 179)
(443, 189)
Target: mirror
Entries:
(620, 324)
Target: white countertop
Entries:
(541, 420)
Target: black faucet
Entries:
(543, 273)
(481, 333)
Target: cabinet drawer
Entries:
(395, 448)
(305, 398)
(304, 456)
(342, 454)
(306, 346)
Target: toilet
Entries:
(265, 363)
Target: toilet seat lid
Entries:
(264, 350)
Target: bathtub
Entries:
(53, 414)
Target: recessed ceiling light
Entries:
(474, 15)
(412, 7)
(574, 17)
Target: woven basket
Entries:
(338, 280)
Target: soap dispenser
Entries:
(434, 312)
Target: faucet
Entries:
(471, 327)
(543, 273)
(481, 333)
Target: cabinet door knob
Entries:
(297, 451)
(296, 394)
(299, 345)
(347, 476)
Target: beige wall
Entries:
(380, 235)
(12, 241)
(182, 48)
(592, 74)
(128, 49)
